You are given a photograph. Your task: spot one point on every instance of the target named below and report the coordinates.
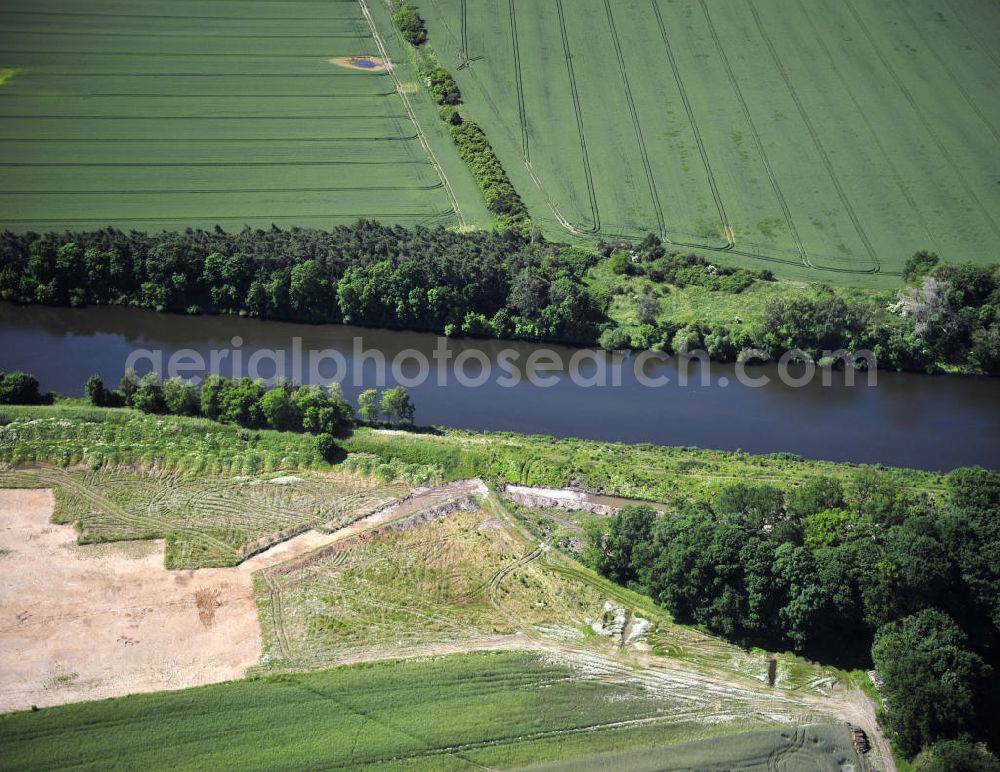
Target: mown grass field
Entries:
(450, 713)
(158, 115)
(206, 520)
(823, 141)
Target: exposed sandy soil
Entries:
(89, 622)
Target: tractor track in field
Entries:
(384, 54)
(636, 124)
(519, 83)
(464, 24)
(893, 169)
(971, 34)
(498, 578)
(578, 111)
(956, 81)
(702, 150)
(928, 127)
(817, 143)
(118, 514)
(758, 141)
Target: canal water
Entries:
(927, 422)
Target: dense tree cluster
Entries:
(501, 197)
(499, 284)
(19, 388)
(950, 316)
(410, 24)
(483, 283)
(947, 315)
(650, 258)
(285, 407)
(865, 574)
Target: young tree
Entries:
(148, 395)
(919, 265)
(410, 24)
(368, 406)
(95, 391)
(180, 397)
(212, 392)
(329, 449)
(19, 388)
(280, 410)
(126, 388)
(397, 406)
(319, 414)
(240, 403)
(647, 308)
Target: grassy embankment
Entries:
(202, 485)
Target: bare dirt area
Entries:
(89, 622)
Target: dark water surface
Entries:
(928, 422)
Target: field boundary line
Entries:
(824, 156)
(954, 79)
(897, 177)
(192, 35)
(158, 164)
(633, 112)
(332, 74)
(172, 54)
(286, 140)
(376, 95)
(758, 142)
(390, 116)
(380, 44)
(242, 217)
(191, 191)
(942, 148)
(702, 150)
(9, 12)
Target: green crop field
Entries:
(484, 710)
(826, 141)
(167, 115)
